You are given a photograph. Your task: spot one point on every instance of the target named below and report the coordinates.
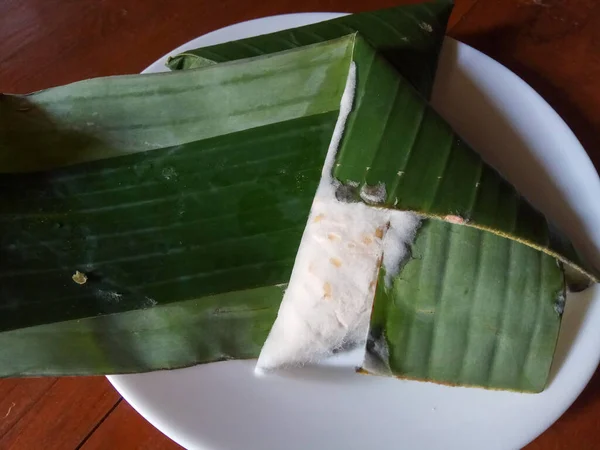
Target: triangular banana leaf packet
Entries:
(159, 220)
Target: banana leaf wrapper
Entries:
(152, 222)
(137, 210)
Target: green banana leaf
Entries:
(220, 214)
(491, 321)
(427, 169)
(408, 36)
(174, 241)
(114, 116)
(163, 191)
(479, 301)
(394, 139)
(184, 201)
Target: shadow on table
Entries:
(502, 44)
(573, 318)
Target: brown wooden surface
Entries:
(553, 44)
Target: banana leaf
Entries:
(178, 334)
(210, 226)
(409, 37)
(127, 199)
(166, 210)
(417, 157)
(480, 300)
(491, 321)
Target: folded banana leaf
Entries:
(469, 308)
(480, 300)
(151, 222)
(192, 222)
(140, 213)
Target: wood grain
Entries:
(579, 427)
(553, 44)
(124, 428)
(17, 397)
(63, 416)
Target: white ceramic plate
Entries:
(224, 406)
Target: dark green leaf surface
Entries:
(219, 215)
(408, 36)
(221, 211)
(491, 320)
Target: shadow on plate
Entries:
(575, 310)
(322, 374)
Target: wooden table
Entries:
(553, 44)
